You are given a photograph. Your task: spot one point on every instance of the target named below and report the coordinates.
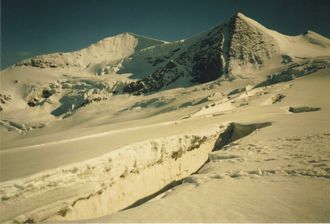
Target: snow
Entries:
(276, 174)
(74, 147)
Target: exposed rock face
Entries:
(207, 63)
(250, 47)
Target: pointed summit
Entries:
(251, 46)
(241, 18)
(239, 15)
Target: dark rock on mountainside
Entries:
(201, 62)
(227, 48)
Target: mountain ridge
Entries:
(153, 42)
(115, 47)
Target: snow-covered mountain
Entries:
(237, 47)
(227, 115)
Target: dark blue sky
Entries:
(32, 27)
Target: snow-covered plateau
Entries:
(230, 125)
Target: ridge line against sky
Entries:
(34, 27)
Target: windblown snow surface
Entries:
(231, 125)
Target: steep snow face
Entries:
(108, 49)
(146, 61)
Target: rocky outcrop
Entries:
(4, 100)
(160, 78)
(295, 70)
(37, 95)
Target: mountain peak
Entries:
(247, 21)
(240, 15)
